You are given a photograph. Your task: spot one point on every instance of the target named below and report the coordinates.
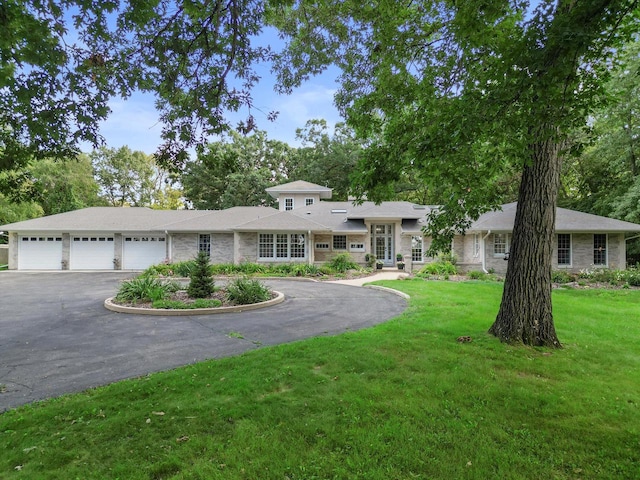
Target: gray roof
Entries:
(566, 221)
(104, 219)
(300, 186)
(388, 211)
(281, 222)
(339, 217)
(219, 220)
(349, 218)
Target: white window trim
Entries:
(333, 243)
(476, 245)
(309, 201)
(421, 249)
(565, 265)
(288, 258)
(356, 247)
(286, 207)
(506, 246)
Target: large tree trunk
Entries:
(525, 315)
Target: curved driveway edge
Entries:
(56, 337)
(185, 312)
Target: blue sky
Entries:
(134, 122)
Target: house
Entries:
(307, 227)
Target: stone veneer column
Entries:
(66, 250)
(117, 251)
(13, 251)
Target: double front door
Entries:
(382, 243)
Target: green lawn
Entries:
(400, 401)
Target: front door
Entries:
(382, 242)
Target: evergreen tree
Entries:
(201, 284)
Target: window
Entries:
(416, 248)
(564, 249)
(339, 242)
(600, 249)
(204, 243)
(322, 246)
(288, 204)
(265, 245)
(476, 245)
(500, 244)
(308, 201)
(297, 245)
(281, 246)
(356, 247)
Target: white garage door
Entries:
(143, 251)
(40, 253)
(91, 252)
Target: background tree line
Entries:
(602, 178)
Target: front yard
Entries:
(401, 400)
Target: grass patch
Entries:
(178, 305)
(401, 400)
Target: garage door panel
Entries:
(91, 252)
(40, 253)
(142, 251)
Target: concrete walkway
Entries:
(383, 275)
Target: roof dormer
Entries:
(298, 194)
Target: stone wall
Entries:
(184, 246)
(323, 256)
(222, 248)
(247, 247)
(4, 254)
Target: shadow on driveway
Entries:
(56, 337)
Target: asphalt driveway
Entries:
(56, 337)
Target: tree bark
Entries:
(525, 315)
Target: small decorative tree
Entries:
(201, 284)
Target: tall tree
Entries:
(326, 158)
(215, 179)
(61, 61)
(65, 185)
(605, 178)
(126, 178)
(463, 90)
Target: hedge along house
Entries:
(307, 228)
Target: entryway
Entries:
(382, 242)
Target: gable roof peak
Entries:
(300, 186)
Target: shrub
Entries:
(304, 270)
(245, 291)
(632, 276)
(143, 288)
(223, 269)
(561, 276)
(249, 268)
(281, 269)
(201, 284)
(439, 267)
(184, 269)
(343, 262)
(477, 275)
(326, 269)
(370, 259)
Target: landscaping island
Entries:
(147, 309)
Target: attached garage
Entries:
(142, 251)
(91, 252)
(40, 252)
